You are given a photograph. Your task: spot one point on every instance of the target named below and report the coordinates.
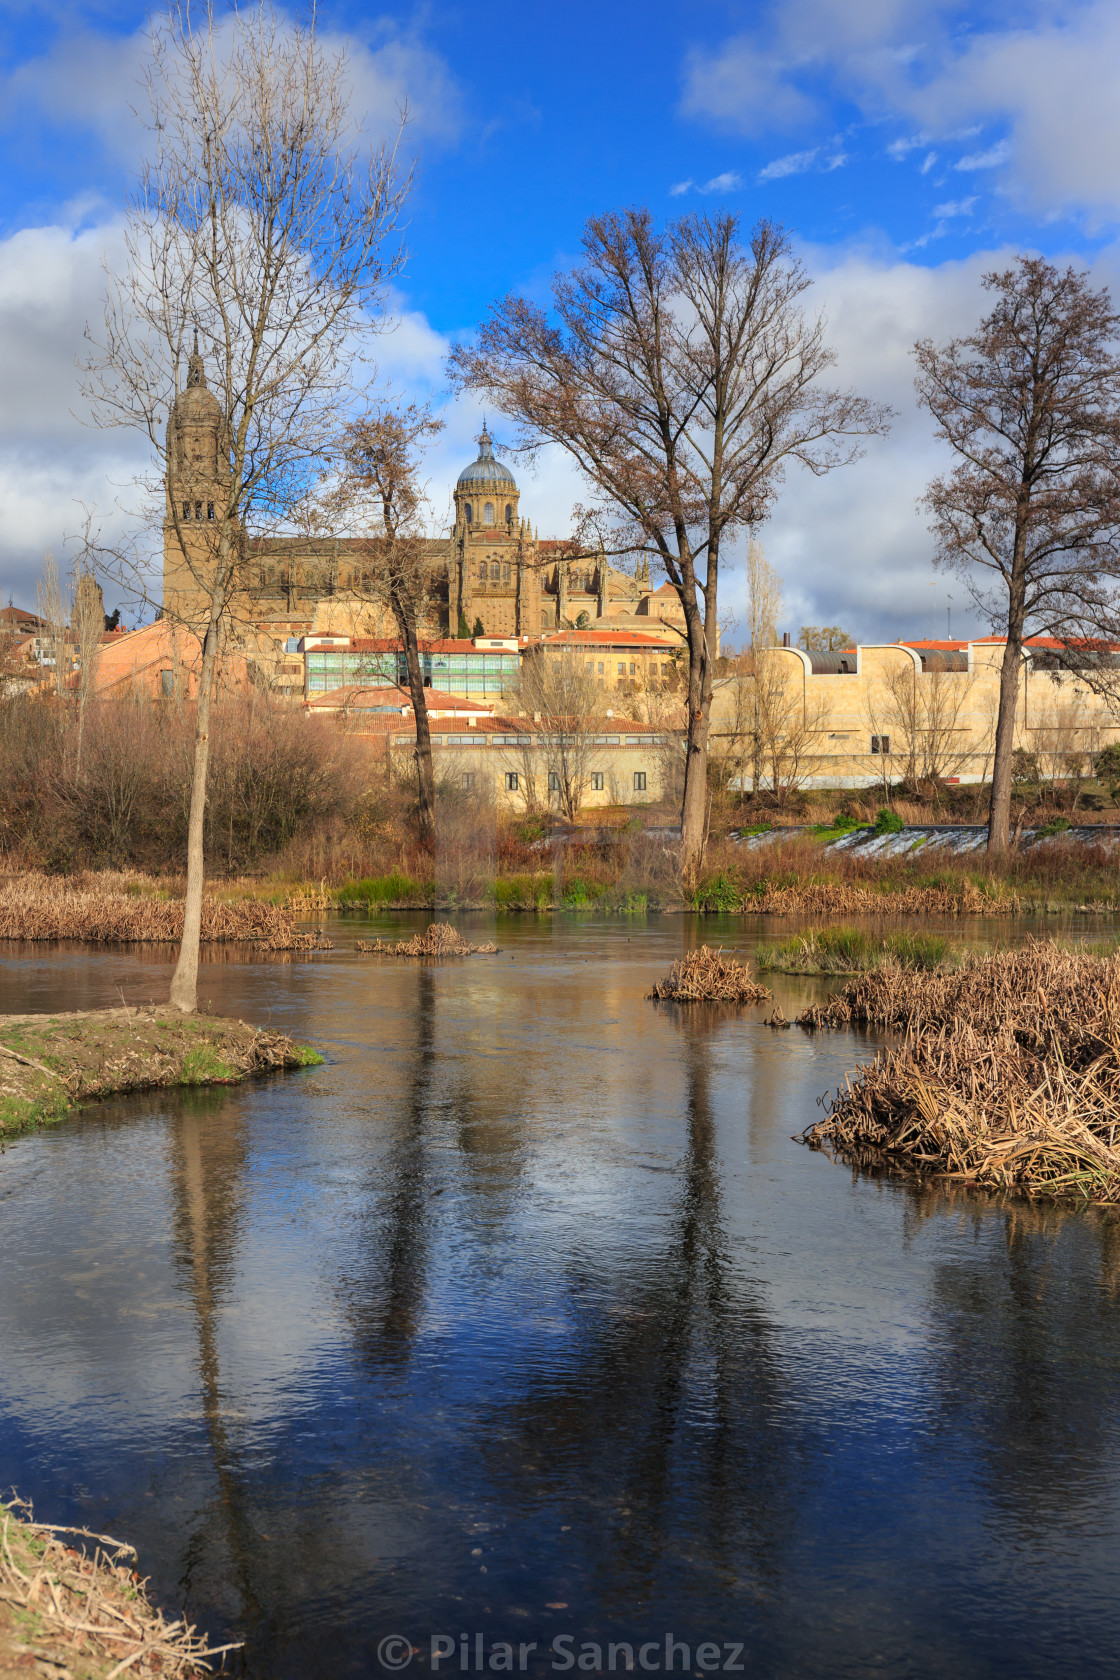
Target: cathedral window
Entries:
(482, 571)
(488, 514)
(495, 571)
(509, 513)
(198, 510)
(209, 510)
(505, 574)
(467, 512)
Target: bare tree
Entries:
(260, 226)
(681, 376)
(1030, 515)
(921, 714)
(823, 638)
(379, 490)
(87, 621)
(785, 726)
(560, 694)
(53, 638)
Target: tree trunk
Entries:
(426, 796)
(694, 807)
(184, 982)
(999, 811)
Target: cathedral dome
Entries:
(485, 470)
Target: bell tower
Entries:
(197, 487)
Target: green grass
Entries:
(394, 888)
(308, 1057)
(845, 950)
(202, 1065)
(23, 1114)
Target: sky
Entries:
(908, 148)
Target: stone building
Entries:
(493, 568)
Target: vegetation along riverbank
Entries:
(84, 1614)
(1008, 1077)
(51, 1063)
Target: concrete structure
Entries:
(879, 713)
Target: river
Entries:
(525, 1319)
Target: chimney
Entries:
(785, 638)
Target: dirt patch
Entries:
(83, 1614)
(51, 1063)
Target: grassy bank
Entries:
(51, 1063)
(1008, 1076)
(128, 908)
(84, 1614)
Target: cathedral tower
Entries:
(197, 487)
(493, 574)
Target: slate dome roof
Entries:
(485, 470)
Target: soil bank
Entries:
(51, 1063)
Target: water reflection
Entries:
(525, 1315)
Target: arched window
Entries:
(186, 510)
(467, 512)
(495, 571)
(488, 514)
(509, 512)
(505, 574)
(482, 571)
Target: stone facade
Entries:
(492, 569)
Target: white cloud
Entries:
(955, 207)
(990, 159)
(796, 163)
(729, 181)
(680, 187)
(927, 163)
(1048, 82)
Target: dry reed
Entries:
(1008, 1076)
(70, 1613)
(438, 940)
(843, 898)
(706, 976)
(114, 910)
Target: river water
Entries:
(524, 1319)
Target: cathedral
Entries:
(492, 569)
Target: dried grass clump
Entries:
(1008, 1078)
(842, 898)
(114, 909)
(706, 976)
(68, 1613)
(438, 940)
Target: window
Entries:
(186, 510)
(596, 781)
(505, 574)
(495, 571)
(600, 667)
(622, 667)
(467, 779)
(488, 514)
(167, 683)
(482, 571)
(209, 510)
(553, 781)
(509, 512)
(511, 781)
(881, 744)
(468, 511)
(589, 665)
(633, 669)
(544, 621)
(639, 781)
(198, 510)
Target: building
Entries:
(492, 569)
(919, 710)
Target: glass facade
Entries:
(451, 673)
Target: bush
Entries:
(888, 821)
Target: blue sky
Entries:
(908, 147)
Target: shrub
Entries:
(888, 821)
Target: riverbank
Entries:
(83, 1614)
(1008, 1077)
(51, 1063)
